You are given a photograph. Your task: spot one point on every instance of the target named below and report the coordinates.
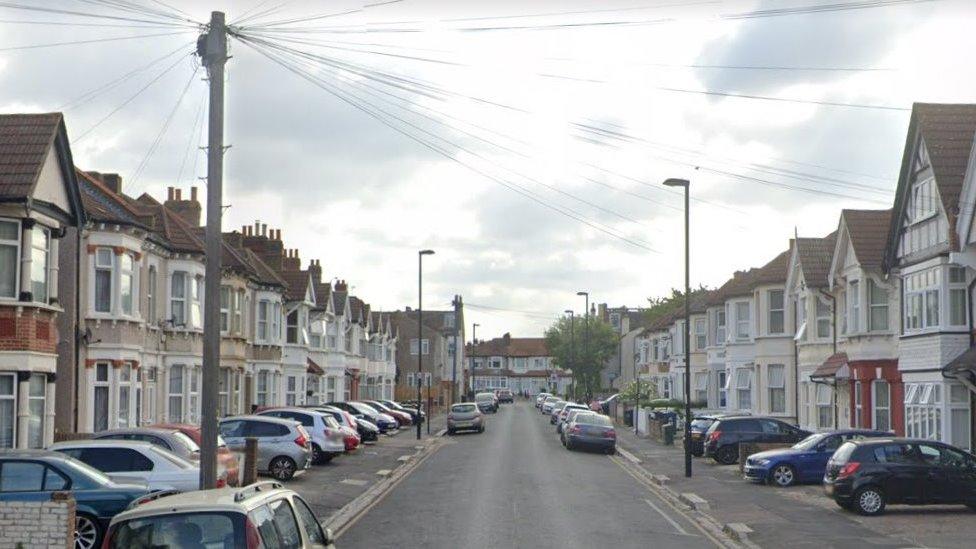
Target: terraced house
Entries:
(40, 212)
(516, 363)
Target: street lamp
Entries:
(420, 334)
(572, 340)
(684, 183)
(474, 342)
(586, 326)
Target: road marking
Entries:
(354, 482)
(666, 517)
(630, 457)
(384, 472)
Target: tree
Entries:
(582, 350)
(663, 306)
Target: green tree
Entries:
(582, 346)
(663, 306)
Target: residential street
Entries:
(516, 486)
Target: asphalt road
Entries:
(516, 486)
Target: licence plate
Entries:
(695, 436)
(463, 423)
(829, 489)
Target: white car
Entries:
(127, 460)
(540, 397)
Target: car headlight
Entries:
(762, 462)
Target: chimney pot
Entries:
(169, 193)
(257, 227)
(179, 194)
(264, 229)
(193, 193)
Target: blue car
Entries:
(32, 475)
(805, 461)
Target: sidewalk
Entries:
(800, 516)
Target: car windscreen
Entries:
(843, 454)
(484, 397)
(187, 441)
(593, 419)
(180, 530)
(463, 408)
(363, 409)
(809, 442)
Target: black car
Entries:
(866, 475)
(412, 411)
(724, 435)
(699, 425)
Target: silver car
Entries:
(169, 439)
(327, 438)
(465, 416)
(556, 408)
(284, 446)
(566, 414)
(548, 403)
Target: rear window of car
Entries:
(484, 397)
(701, 424)
(575, 407)
(463, 408)
(188, 442)
(266, 429)
(594, 419)
(843, 454)
(180, 530)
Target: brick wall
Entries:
(38, 523)
(27, 330)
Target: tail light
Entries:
(252, 538)
(713, 437)
(301, 440)
(221, 482)
(610, 434)
(849, 469)
(575, 429)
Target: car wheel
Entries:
(783, 475)
(569, 445)
(318, 457)
(869, 501)
(727, 455)
(282, 468)
(87, 532)
(450, 432)
(611, 450)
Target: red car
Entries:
(402, 418)
(225, 457)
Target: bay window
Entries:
(854, 301)
(743, 387)
(8, 409)
(9, 263)
(777, 318)
(959, 416)
(224, 383)
(332, 329)
(720, 327)
(193, 410)
(742, 320)
(291, 327)
(801, 318)
(261, 384)
(924, 291)
(330, 389)
(701, 387)
(36, 398)
(40, 259)
(276, 323)
(878, 303)
(923, 410)
(291, 391)
(858, 406)
(701, 334)
(104, 267)
(262, 324)
(957, 296)
(175, 395)
(777, 388)
(825, 406)
(723, 387)
(824, 320)
(196, 298)
(150, 406)
(177, 299)
(123, 392)
(238, 303)
(880, 405)
(224, 309)
(151, 296)
(127, 283)
(101, 397)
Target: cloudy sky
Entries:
(524, 141)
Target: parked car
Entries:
(548, 403)
(540, 398)
(700, 424)
(465, 416)
(368, 431)
(725, 434)
(129, 460)
(326, 434)
(505, 395)
(284, 446)
(347, 424)
(171, 439)
(385, 423)
(867, 475)
(414, 416)
(805, 461)
(225, 458)
(31, 476)
(486, 403)
(572, 416)
(591, 431)
(403, 419)
(556, 409)
(564, 414)
(259, 515)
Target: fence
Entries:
(32, 524)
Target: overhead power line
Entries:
(16, 6)
(91, 41)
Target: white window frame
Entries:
(225, 309)
(15, 244)
(824, 318)
(743, 322)
(98, 265)
(151, 295)
(781, 311)
(104, 383)
(178, 303)
(701, 334)
(825, 405)
(743, 385)
(35, 425)
(923, 292)
(12, 399)
(45, 250)
(956, 287)
(176, 396)
(854, 302)
(701, 387)
(720, 326)
(877, 305)
(776, 387)
(132, 273)
(923, 201)
(723, 389)
(876, 410)
(264, 306)
(858, 405)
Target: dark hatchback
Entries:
(805, 461)
(699, 425)
(725, 434)
(866, 475)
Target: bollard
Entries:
(250, 474)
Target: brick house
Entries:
(522, 364)
(39, 209)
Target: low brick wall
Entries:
(28, 524)
(746, 449)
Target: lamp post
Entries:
(420, 331)
(586, 326)
(684, 183)
(474, 342)
(572, 341)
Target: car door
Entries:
(771, 431)
(312, 530)
(813, 462)
(23, 480)
(902, 475)
(937, 487)
(960, 471)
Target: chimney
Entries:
(507, 337)
(264, 229)
(111, 180)
(291, 261)
(315, 268)
(189, 210)
(341, 286)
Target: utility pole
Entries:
(457, 348)
(684, 183)
(420, 339)
(474, 346)
(212, 49)
(572, 346)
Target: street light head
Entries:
(426, 252)
(673, 182)
(569, 312)
(582, 293)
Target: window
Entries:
(720, 327)
(223, 382)
(150, 406)
(193, 410)
(858, 406)
(104, 265)
(101, 389)
(196, 297)
(177, 299)
(449, 320)
(123, 389)
(957, 296)
(425, 345)
(262, 327)
(35, 405)
(127, 283)
(332, 331)
(801, 319)
(9, 257)
(777, 388)
(116, 460)
(151, 295)
(8, 417)
(742, 320)
(959, 417)
(701, 387)
(330, 389)
(284, 519)
(825, 407)
(824, 320)
(40, 255)
(276, 323)
(224, 309)
(312, 526)
(923, 410)
(176, 394)
(291, 327)
(238, 321)
(262, 388)
(923, 201)
(881, 405)
(854, 299)
(743, 386)
(291, 391)
(701, 334)
(776, 312)
(922, 291)
(878, 307)
(723, 387)
(22, 476)
(137, 387)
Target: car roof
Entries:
(281, 420)
(30, 454)
(893, 439)
(96, 443)
(138, 430)
(289, 409)
(219, 499)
